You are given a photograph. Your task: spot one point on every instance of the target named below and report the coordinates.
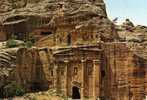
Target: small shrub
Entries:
(11, 43)
(29, 44)
(13, 89)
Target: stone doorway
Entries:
(75, 93)
(35, 86)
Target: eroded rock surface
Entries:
(91, 60)
(29, 70)
(7, 66)
(131, 33)
(24, 16)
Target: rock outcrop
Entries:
(29, 71)
(29, 15)
(79, 50)
(131, 33)
(47, 8)
(7, 66)
(125, 72)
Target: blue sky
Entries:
(135, 10)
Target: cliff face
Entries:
(10, 8)
(24, 16)
(125, 73)
(128, 32)
(29, 70)
(7, 66)
(9, 5)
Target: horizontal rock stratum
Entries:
(17, 15)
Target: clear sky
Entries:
(135, 10)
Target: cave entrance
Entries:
(46, 33)
(75, 93)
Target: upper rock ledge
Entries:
(9, 8)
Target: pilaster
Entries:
(82, 82)
(96, 79)
(66, 77)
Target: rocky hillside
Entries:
(17, 15)
(131, 33)
(9, 8)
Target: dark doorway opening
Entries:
(103, 73)
(46, 33)
(36, 87)
(75, 93)
(103, 98)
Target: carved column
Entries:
(55, 76)
(66, 77)
(82, 82)
(96, 79)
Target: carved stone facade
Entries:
(29, 71)
(79, 56)
(78, 71)
(106, 71)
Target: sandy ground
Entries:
(40, 97)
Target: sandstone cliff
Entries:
(131, 33)
(29, 71)
(7, 66)
(23, 16)
(42, 8)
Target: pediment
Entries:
(76, 50)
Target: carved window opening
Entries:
(52, 73)
(103, 73)
(69, 39)
(75, 70)
(97, 36)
